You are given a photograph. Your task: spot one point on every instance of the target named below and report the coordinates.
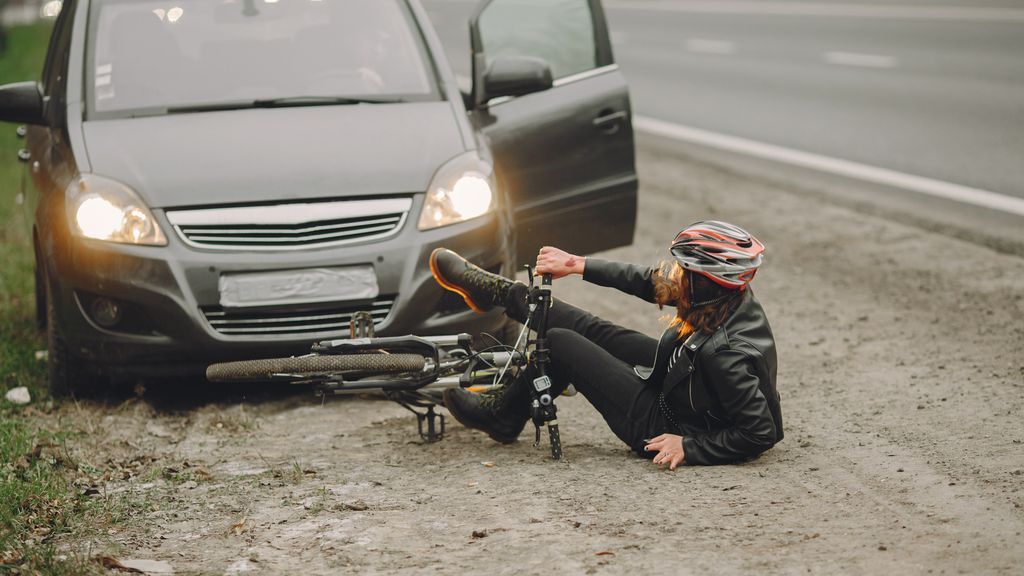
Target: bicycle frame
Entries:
(448, 361)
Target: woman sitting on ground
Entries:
(704, 394)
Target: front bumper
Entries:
(165, 289)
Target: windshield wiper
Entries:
(321, 100)
(284, 102)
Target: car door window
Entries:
(54, 78)
(560, 32)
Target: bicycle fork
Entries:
(542, 406)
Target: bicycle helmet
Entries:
(721, 252)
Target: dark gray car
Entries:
(226, 180)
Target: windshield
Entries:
(145, 57)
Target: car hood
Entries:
(281, 154)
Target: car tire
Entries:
(67, 375)
(40, 290)
(510, 332)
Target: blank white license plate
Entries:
(306, 286)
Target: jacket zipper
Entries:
(653, 365)
(689, 385)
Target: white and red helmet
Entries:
(726, 254)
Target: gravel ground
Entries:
(902, 379)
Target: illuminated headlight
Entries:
(105, 209)
(461, 189)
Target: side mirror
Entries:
(514, 76)
(21, 102)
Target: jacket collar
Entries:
(692, 343)
(696, 340)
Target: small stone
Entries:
(190, 485)
(19, 396)
(479, 533)
(882, 548)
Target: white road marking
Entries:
(860, 60)
(769, 8)
(856, 170)
(706, 46)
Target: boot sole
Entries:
(451, 287)
(455, 413)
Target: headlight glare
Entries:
(460, 190)
(104, 209)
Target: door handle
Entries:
(24, 155)
(608, 121)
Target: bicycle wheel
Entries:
(265, 369)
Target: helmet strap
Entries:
(704, 292)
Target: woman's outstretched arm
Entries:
(629, 278)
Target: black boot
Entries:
(502, 414)
(481, 289)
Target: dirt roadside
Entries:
(902, 375)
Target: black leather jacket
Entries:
(722, 393)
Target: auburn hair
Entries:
(672, 285)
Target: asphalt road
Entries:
(933, 89)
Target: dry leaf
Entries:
(488, 464)
(357, 506)
(239, 527)
(605, 553)
(111, 563)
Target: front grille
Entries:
(294, 322)
(290, 226)
(313, 234)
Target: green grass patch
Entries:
(23, 60)
(38, 502)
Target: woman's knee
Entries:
(567, 344)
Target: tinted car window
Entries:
(561, 32)
(54, 77)
(159, 54)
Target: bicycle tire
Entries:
(265, 369)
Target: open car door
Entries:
(563, 146)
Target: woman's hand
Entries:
(669, 448)
(558, 263)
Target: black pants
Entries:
(597, 357)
